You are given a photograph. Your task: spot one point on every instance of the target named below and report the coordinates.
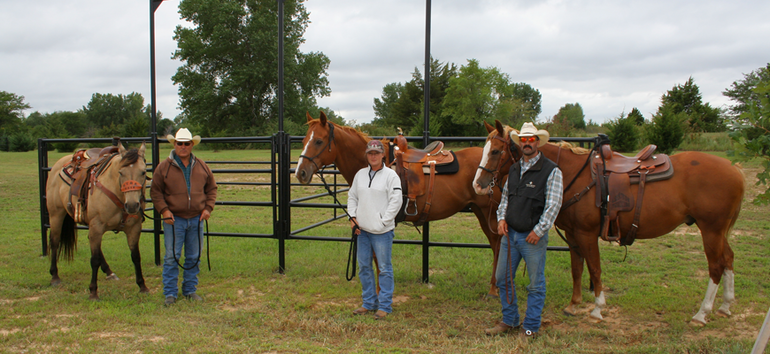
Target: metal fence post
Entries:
(42, 164)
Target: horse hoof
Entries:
(596, 314)
(491, 296)
(144, 291)
(570, 311)
(697, 323)
(723, 313)
(113, 276)
(55, 282)
(93, 298)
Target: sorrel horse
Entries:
(115, 203)
(345, 148)
(704, 190)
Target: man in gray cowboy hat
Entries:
(532, 197)
(183, 192)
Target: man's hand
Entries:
(533, 238)
(205, 215)
(354, 226)
(168, 217)
(502, 228)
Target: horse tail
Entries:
(68, 241)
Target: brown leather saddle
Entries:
(80, 173)
(413, 165)
(614, 174)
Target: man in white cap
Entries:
(183, 192)
(374, 199)
(532, 197)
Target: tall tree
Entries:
(623, 133)
(12, 108)
(667, 129)
(636, 117)
(687, 98)
(108, 109)
(751, 123)
(572, 114)
(229, 80)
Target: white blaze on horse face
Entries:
(484, 160)
(304, 152)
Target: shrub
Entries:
(667, 130)
(21, 142)
(623, 134)
(4, 142)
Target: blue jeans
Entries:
(534, 256)
(381, 245)
(189, 233)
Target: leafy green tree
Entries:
(571, 114)
(751, 123)
(687, 98)
(107, 109)
(667, 129)
(228, 80)
(623, 133)
(636, 117)
(11, 112)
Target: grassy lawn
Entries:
(249, 307)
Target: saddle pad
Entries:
(444, 169)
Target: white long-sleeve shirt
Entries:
(375, 201)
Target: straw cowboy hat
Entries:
(529, 129)
(184, 135)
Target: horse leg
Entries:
(589, 247)
(133, 245)
(494, 243)
(577, 277)
(56, 222)
(720, 259)
(106, 269)
(95, 239)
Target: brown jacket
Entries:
(169, 189)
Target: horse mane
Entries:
(365, 137)
(130, 157)
(577, 150)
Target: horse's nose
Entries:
(132, 208)
(302, 174)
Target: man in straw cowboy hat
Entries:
(183, 192)
(532, 197)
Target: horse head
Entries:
(132, 178)
(499, 153)
(317, 150)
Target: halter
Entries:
(496, 172)
(328, 143)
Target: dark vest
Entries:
(526, 194)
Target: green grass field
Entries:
(250, 308)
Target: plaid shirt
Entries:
(553, 197)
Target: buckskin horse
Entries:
(327, 143)
(704, 190)
(101, 188)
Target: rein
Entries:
(127, 186)
(173, 241)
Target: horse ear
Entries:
(142, 149)
(323, 118)
(500, 128)
(489, 127)
(309, 118)
(121, 149)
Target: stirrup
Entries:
(406, 208)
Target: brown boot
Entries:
(498, 329)
(380, 315)
(361, 311)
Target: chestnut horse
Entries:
(345, 148)
(115, 203)
(705, 190)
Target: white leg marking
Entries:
(600, 303)
(484, 159)
(299, 162)
(708, 303)
(728, 280)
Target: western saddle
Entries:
(80, 174)
(412, 165)
(614, 174)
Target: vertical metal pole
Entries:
(154, 134)
(425, 136)
(763, 336)
(283, 156)
(42, 163)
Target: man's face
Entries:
(374, 158)
(183, 148)
(529, 145)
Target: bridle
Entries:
(496, 172)
(328, 144)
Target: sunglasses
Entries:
(529, 139)
(186, 143)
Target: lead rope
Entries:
(353, 251)
(173, 242)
